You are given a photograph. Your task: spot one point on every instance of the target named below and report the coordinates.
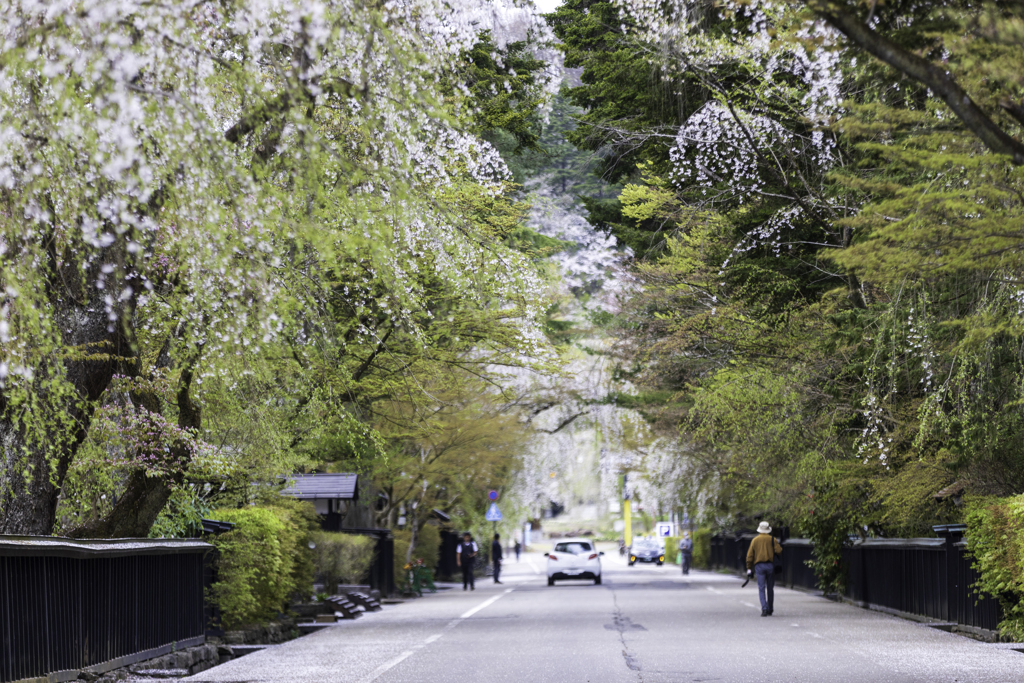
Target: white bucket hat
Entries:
(764, 528)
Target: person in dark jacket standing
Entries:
(465, 555)
(761, 561)
(686, 552)
(519, 549)
(496, 556)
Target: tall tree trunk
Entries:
(414, 528)
(144, 496)
(32, 470)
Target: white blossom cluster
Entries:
(196, 165)
(874, 436)
(908, 341)
(594, 261)
(733, 150)
(712, 147)
(769, 38)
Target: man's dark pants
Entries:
(497, 570)
(467, 574)
(765, 572)
(687, 559)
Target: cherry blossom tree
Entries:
(187, 184)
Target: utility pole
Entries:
(626, 509)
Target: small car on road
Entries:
(574, 558)
(644, 550)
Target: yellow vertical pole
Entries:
(629, 522)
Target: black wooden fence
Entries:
(66, 605)
(929, 577)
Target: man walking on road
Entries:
(686, 551)
(761, 561)
(519, 549)
(465, 554)
(496, 556)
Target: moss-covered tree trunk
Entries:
(35, 460)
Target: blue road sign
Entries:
(493, 495)
(493, 513)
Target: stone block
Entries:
(163, 673)
(200, 667)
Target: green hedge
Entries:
(672, 549)
(702, 548)
(995, 539)
(263, 562)
(341, 558)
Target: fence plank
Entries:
(66, 605)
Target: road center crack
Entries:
(622, 624)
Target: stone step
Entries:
(162, 673)
(365, 601)
(242, 650)
(345, 607)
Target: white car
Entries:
(574, 558)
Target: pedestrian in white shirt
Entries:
(465, 555)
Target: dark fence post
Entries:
(965, 605)
(716, 552)
(386, 571)
(446, 554)
(952, 534)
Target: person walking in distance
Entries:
(518, 549)
(686, 551)
(465, 555)
(761, 561)
(496, 556)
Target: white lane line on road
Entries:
(714, 590)
(485, 603)
(376, 673)
(749, 604)
(533, 566)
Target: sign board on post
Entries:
(493, 513)
(493, 495)
(664, 529)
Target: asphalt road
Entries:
(644, 624)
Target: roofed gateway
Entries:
(323, 486)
